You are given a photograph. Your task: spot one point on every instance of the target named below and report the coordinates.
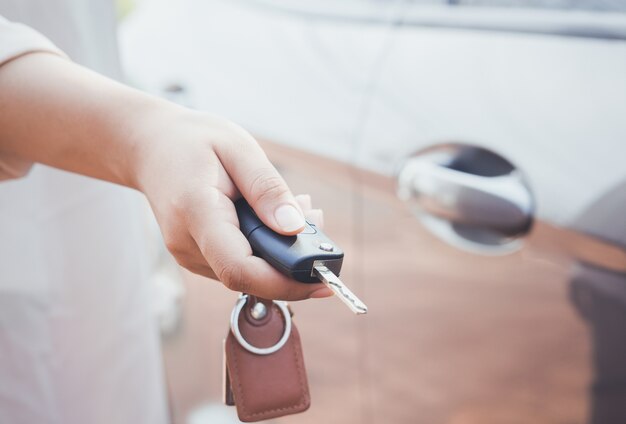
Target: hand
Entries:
(190, 165)
(191, 170)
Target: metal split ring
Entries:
(234, 327)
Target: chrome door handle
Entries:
(498, 202)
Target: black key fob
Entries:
(294, 256)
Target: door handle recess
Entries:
(499, 203)
(470, 188)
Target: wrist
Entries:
(141, 129)
(157, 139)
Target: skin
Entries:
(189, 164)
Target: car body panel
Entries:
(450, 337)
(552, 105)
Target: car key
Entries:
(308, 257)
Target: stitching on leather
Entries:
(299, 367)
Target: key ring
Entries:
(234, 327)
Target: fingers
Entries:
(314, 216)
(230, 258)
(229, 254)
(187, 254)
(260, 184)
(304, 200)
(202, 270)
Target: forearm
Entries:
(58, 113)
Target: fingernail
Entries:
(323, 292)
(289, 218)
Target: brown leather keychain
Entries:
(264, 373)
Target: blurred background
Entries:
(470, 159)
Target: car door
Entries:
(470, 164)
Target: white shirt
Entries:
(78, 341)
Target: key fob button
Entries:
(326, 247)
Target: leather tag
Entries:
(265, 386)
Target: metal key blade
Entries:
(339, 288)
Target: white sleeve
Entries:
(17, 40)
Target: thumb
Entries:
(274, 203)
(262, 186)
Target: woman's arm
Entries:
(190, 165)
